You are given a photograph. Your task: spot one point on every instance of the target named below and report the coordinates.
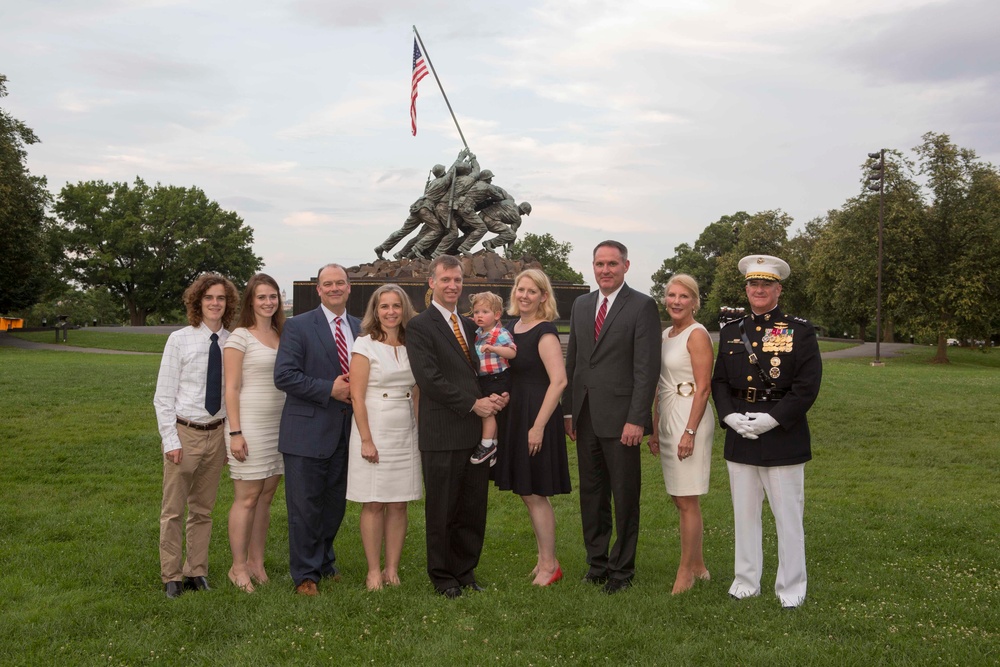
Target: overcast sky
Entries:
(642, 121)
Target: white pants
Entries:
(785, 489)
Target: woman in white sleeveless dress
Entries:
(383, 469)
(253, 409)
(684, 422)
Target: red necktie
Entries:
(345, 365)
(601, 314)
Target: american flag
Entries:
(419, 72)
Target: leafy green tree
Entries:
(798, 252)
(80, 306)
(146, 244)
(552, 255)
(951, 287)
(843, 267)
(715, 240)
(24, 267)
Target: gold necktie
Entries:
(460, 337)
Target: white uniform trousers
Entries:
(785, 489)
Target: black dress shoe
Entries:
(474, 587)
(596, 579)
(452, 593)
(196, 584)
(174, 589)
(617, 585)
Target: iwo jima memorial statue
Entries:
(460, 205)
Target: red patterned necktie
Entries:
(345, 365)
(601, 314)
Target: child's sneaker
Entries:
(483, 452)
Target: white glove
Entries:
(740, 424)
(760, 422)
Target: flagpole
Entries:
(434, 72)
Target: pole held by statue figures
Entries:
(436, 78)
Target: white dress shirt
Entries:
(180, 386)
(611, 301)
(447, 318)
(345, 327)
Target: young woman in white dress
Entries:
(253, 408)
(383, 469)
(684, 422)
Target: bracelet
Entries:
(232, 433)
(690, 431)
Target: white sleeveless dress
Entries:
(389, 400)
(260, 410)
(690, 476)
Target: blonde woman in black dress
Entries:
(531, 460)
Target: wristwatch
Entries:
(690, 431)
(232, 433)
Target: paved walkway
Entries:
(7, 340)
(886, 351)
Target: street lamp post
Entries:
(876, 183)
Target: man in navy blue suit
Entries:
(312, 369)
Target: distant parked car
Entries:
(953, 342)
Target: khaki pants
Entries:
(195, 483)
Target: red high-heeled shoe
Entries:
(556, 576)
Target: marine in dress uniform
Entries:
(766, 378)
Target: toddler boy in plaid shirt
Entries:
(494, 347)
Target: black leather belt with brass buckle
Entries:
(200, 427)
(754, 395)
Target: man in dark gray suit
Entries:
(440, 344)
(613, 364)
(312, 369)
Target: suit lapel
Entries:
(448, 332)
(585, 339)
(325, 335)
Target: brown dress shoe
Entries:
(308, 588)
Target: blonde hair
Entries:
(494, 301)
(548, 308)
(370, 323)
(688, 283)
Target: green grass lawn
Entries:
(831, 346)
(902, 518)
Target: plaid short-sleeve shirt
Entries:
(490, 363)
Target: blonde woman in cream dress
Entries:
(684, 423)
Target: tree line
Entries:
(940, 270)
(112, 251)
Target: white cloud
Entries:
(307, 219)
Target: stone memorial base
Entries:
(484, 271)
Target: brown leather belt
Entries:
(754, 395)
(201, 427)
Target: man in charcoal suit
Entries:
(613, 364)
(440, 345)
